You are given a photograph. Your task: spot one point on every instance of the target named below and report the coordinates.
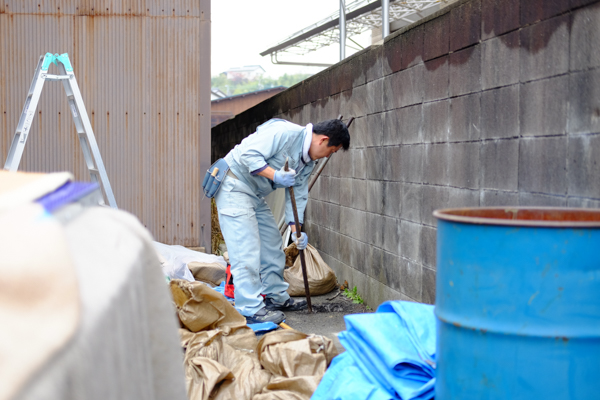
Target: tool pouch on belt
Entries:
(214, 177)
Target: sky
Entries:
(242, 29)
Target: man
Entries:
(247, 223)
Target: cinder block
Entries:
(374, 260)
(428, 290)
(333, 190)
(500, 61)
(541, 200)
(391, 235)
(543, 165)
(334, 167)
(323, 182)
(391, 58)
(411, 85)
(584, 102)
(359, 231)
(374, 100)
(359, 194)
(491, 198)
(464, 124)
(357, 69)
(403, 126)
(391, 201)
(348, 219)
(428, 247)
(412, 47)
(380, 272)
(391, 265)
(346, 160)
(537, 10)
(465, 25)
(435, 121)
(391, 91)
(391, 161)
(411, 278)
(500, 164)
(545, 49)
(579, 202)
(500, 113)
(498, 17)
(375, 229)
(353, 102)
(438, 197)
(411, 163)
(412, 200)
(435, 162)
(375, 199)
(332, 214)
(579, 3)
(374, 162)
(585, 36)
(373, 63)
(410, 235)
(463, 171)
(544, 106)
(346, 192)
(584, 166)
(359, 130)
(436, 39)
(435, 79)
(465, 71)
(358, 256)
(359, 166)
(345, 244)
(374, 130)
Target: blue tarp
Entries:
(389, 354)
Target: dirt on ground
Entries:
(327, 318)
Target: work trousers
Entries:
(254, 245)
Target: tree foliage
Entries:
(240, 86)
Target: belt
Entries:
(231, 174)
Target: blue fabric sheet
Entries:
(389, 354)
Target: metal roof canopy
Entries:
(361, 15)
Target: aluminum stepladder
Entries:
(87, 140)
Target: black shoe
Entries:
(264, 315)
(289, 305)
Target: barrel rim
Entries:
(446, 214)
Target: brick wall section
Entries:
(486, 103)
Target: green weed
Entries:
(353, 295)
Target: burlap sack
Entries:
(321, 278)
(202, 308)
(213, 273)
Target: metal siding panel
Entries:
(140, 81)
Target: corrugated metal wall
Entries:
(143, 68)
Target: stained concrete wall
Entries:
(485, 103)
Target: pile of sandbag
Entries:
(224, 359)
(321, 278)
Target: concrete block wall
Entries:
(485, 103)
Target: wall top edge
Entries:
(422, 21)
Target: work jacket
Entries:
(273, 142)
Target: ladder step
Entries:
(49, 77)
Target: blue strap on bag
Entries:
(214, 177)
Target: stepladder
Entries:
(87, 140)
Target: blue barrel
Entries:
(518, 304)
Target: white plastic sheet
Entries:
(174, 260)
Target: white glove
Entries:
(285, 178)
(302, 242)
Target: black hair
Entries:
(335, 130)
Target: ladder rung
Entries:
(49, 77)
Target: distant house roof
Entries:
(275, 90)
(216, 93)
(225, 108)
(246, 68)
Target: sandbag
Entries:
(321, 278)
(213, 273)
(200, 307)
